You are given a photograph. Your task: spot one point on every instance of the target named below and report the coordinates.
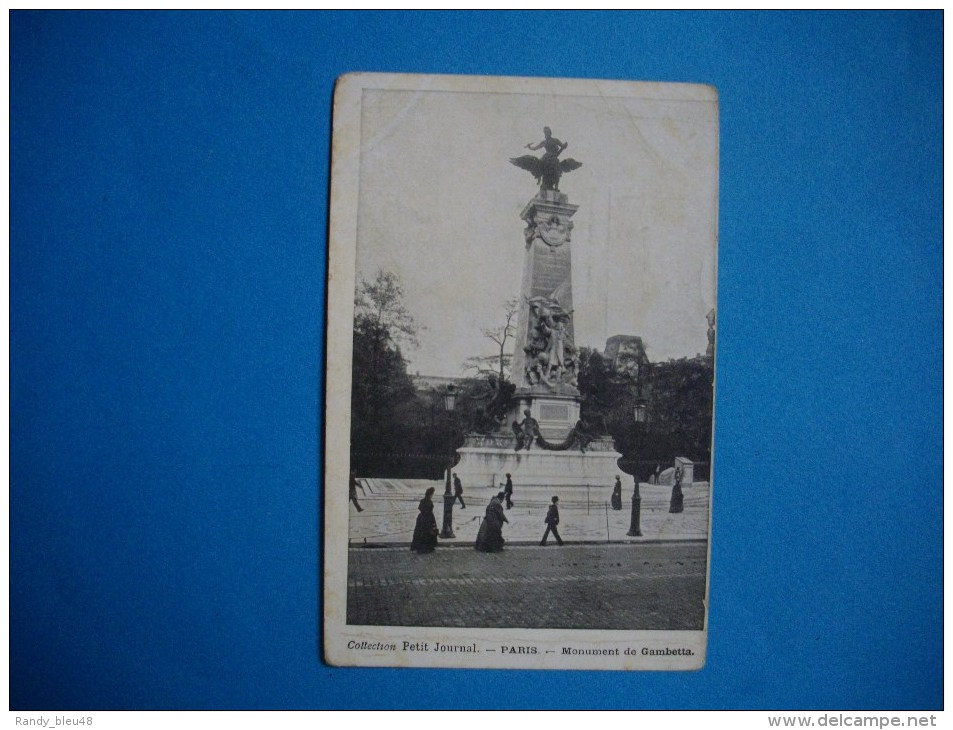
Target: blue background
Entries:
(168, 204)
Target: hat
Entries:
(555, 498)
(500, 495)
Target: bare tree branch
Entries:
(498, 363)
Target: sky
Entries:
(439, 205)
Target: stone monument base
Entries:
(485, 460)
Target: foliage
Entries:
(384, 402)
(380, 302)
(682, 402)
(382, 398)
(678, 395)
(395, 430)
(601, 389)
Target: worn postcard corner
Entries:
(520, 373)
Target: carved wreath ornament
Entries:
(553, 231)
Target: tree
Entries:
(498, 363)
(678, 395)
(381, 303)
(384, 403)
(681, 405)
(598, 385)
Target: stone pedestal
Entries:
(484, 460)
(556, 414)
(667, 477)
(688, 470)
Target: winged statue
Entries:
(549, 168)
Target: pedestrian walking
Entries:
(508, 492)
(458, 491)
(353, 484)
(658, 472)
(425, 531)
(490, 537)
(552, 519)
(617, 494)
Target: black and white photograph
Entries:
(520, 373)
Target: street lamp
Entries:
(449, 403)
(450, 398)
(640, 414)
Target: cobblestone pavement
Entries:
(637, 586)
(390, 510)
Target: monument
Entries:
(543, 439)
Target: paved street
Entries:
(616, 586)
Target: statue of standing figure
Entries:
(549, 168)
(557, 348)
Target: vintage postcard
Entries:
(520, 373)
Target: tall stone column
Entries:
(545, 358)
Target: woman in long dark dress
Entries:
(617, 494)
(425, 531)
(490, 537)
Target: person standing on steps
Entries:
(458, 491)
(552, 519)
(508, 491)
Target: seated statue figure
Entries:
(525, 432)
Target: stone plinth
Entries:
(484, 460)
(556, 414)
(688, 470)
(667, 476)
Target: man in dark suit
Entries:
(508, 491)
(458, 491)
(552, 519)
